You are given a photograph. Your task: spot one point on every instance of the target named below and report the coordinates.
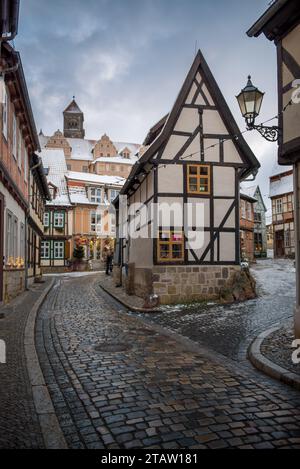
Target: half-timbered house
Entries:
(190, 172)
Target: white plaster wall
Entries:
(227, 247)
(212, 123)
(224, 181)
(170, 179)
(11, 205)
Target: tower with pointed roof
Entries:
(73, 121)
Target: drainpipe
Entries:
(297, 246)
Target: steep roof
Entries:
(254, 192)
(73, 107)
(166, 129)
(54, 160)
(282, 185)
(95, 178)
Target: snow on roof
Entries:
(116, 159)
(78, 195)
(95, 178)
(284, 185)
(81, 148)
(248, 190)
(278, 169)
(54, 160)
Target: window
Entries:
(46, 219)
(59, 220)
(96, 195)
(85, 169)
(15, 237)
(45, 249)
(243, 208)
(69, 167)
(5, 112)
(287, 238)
(171, 246)
(257, 217)
(59, 250)
(25, 163)
(9, 235)
(19, 149)
(22, 240)
(95, 221)
(113, 194)
(249, 211)
(198, 179)
(14, 136)
(278, 206)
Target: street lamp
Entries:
(250, 101)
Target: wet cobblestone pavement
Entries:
(277, 347)
(229, 330)
(19, 425)
(117, 382)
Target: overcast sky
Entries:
(125, 61)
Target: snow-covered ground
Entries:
(229, 329)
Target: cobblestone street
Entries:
(230, 329)
(119, 382)
(19, 424)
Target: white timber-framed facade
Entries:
(196, 158)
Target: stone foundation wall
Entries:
(186, 284)
(139, 281)
(13, 284)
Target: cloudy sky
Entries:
(125, 61)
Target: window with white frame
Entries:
(46, 219)
(113, 194)
(19, 149)
(59, 250)
(9, 235)
(45, 249)
(22, 240)
(59, 219)
(15, 236)
(278, 205)
(25, 156)
(14, 136)
(5, 112)
(96, 195)
(95, 221)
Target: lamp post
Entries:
(250, 100)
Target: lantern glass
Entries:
(250, 101)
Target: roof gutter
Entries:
(258, 26)
(9, 19)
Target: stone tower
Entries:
(73, 121)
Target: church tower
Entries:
(73, 121)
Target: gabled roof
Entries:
(277, 20)
(155, 130)
(253, 192)
(54, 160)
(73, 107)
(168, 123)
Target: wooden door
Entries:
(279, 243)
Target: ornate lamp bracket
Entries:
(269, 133)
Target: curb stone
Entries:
(267, 366)
(128, 306)
(51, 431)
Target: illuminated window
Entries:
(171, 246)
(198, 179)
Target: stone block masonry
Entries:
(175, 284)
(13, 283)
